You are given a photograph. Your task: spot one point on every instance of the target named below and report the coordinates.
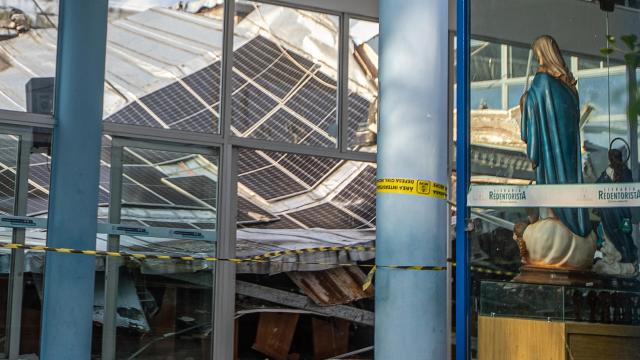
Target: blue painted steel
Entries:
(463, 280)
(69, 279)
(411, 306)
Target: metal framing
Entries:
(463, 280)
(227, 146)
(16, 279)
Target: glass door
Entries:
(163, 201)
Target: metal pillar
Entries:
(463, 279)
(69, 279)
(411, 306)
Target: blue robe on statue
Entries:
(550, 127)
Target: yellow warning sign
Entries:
(412, 187)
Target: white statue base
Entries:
(550, 244)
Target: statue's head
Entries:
(550, 59)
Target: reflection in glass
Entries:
(166, 299)
(8, 162)
(498, 156)
(363, 85)
(286, 202)
(28, 45)
(486, 98)
(486, 61)
(284, 75)
(163, 65)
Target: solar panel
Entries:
(173, 103)
(326, 216)
(360, 195)
(248, 106)
(136, 155)
(282, 222)
(40, 174)
(133, 193)
(37, 202)
(255, 56)
(8, 151)
(358, 114)
(250, 212)
(271, 183)
(133, 114)
(282, 126)
(201, 187)
(204, 122)
(249, 160)
(7, 191)
(105, 150)
(151, 178)
(316, 101)
(314, 138)
(206, 83)
(310, 169)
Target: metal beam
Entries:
(463, 280)
(67, 317)
(411, 306)
(112, 271)
(297, 301)
(361, 8)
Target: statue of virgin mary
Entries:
(550, 127)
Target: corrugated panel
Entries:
(335, 286)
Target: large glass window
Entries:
(284, 75)
(554, 166)
(288, 202)
(28, 47)
(167, 205)
(163, 65)
(363, 85)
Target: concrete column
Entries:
(75, 169)
(411, 306)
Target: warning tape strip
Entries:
(259, 258)
(412, 187)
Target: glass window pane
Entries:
(9, 158)
(515, 92)
(284, 75)
(486, 98)
(540, 176)
(163, 65)
(518, 60)
(486, 61)
(28, 47)
(363, 85)
(289, 202)
(165, 298)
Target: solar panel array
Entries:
(277, 96)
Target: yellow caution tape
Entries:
(369, 279)
(412, 187)
(260, 258)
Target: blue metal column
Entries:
(463, 280)
(411, 306)
(75, 169)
